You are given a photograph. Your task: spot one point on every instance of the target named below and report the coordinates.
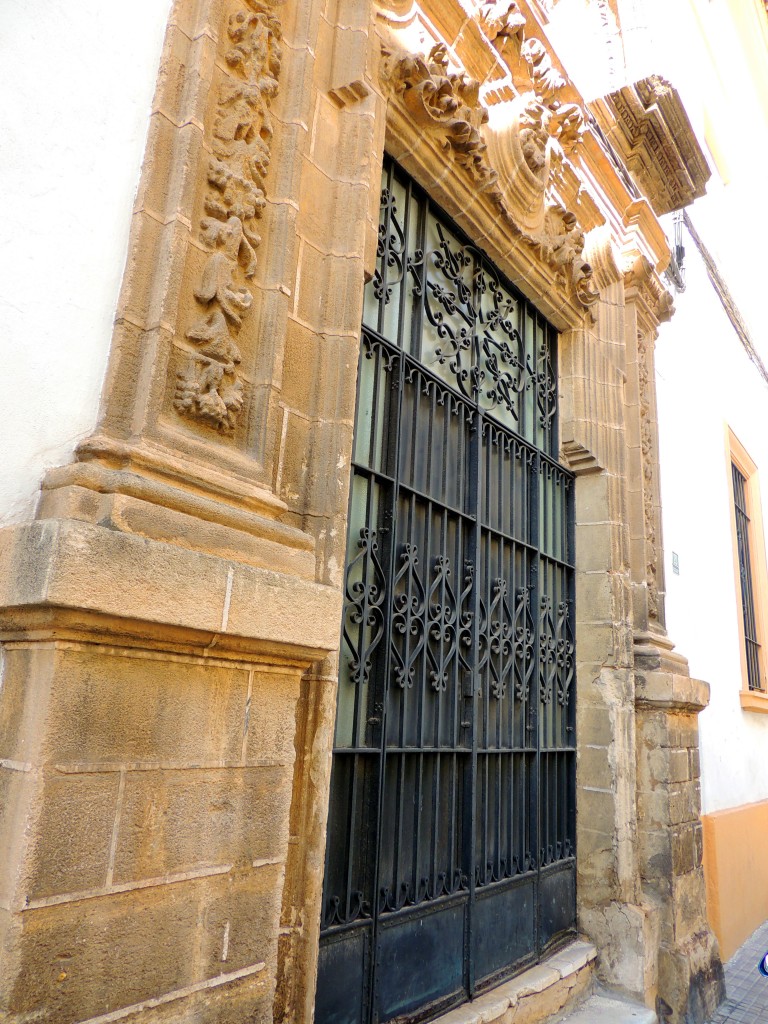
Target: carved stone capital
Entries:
(644, 286)
(602, 255)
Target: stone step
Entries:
(604, 1009)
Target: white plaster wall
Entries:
(705, 382)
(77, 81)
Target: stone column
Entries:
(690, 977)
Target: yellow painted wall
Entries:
(736, 872)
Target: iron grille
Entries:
(450, 853)
(751, 644)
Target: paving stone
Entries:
(746, 1001)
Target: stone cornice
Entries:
(648, 125)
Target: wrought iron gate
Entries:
(450, 854)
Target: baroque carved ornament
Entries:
(211, 389)
(530, 157)
(659, 303)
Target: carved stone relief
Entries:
(647, 458)
(502, 22)
(211, 388)
(520, 164)
(445, 103)
(659, 304)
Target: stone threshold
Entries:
(602, 1008)
(536, 994)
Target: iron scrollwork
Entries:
(556, 666)
(473, 318)
(524, 644)
(454, 759)
(405, 894)
(336, 912)
(441, 624)
(408, 605)
(364, 619)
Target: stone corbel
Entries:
(503, 24)
(644, 287)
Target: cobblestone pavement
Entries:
(747, 990)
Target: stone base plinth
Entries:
(690, 972)
(147, 749)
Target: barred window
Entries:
(750, 571)
(752, 648)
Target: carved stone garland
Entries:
(659, 302)
(646, 450)
(448, 105)
(211, 390)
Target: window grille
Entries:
(752, 645)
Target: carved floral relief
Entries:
(525, 157)
(211, 388)
(446, 103)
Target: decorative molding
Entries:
(648, 461)
(444, 103)
(523, 167)
(352, 92)
(211, 389)
(658, 303)
(578, 459)
(602, 255)
(648, 125)
(642, 284)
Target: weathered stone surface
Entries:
(67, 564)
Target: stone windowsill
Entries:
(754, 700)
(498, 1005)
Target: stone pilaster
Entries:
(612, 910)
(689, 983)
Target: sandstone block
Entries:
(120, 949)
(72, 834)
(187, 820)
(100, 701)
